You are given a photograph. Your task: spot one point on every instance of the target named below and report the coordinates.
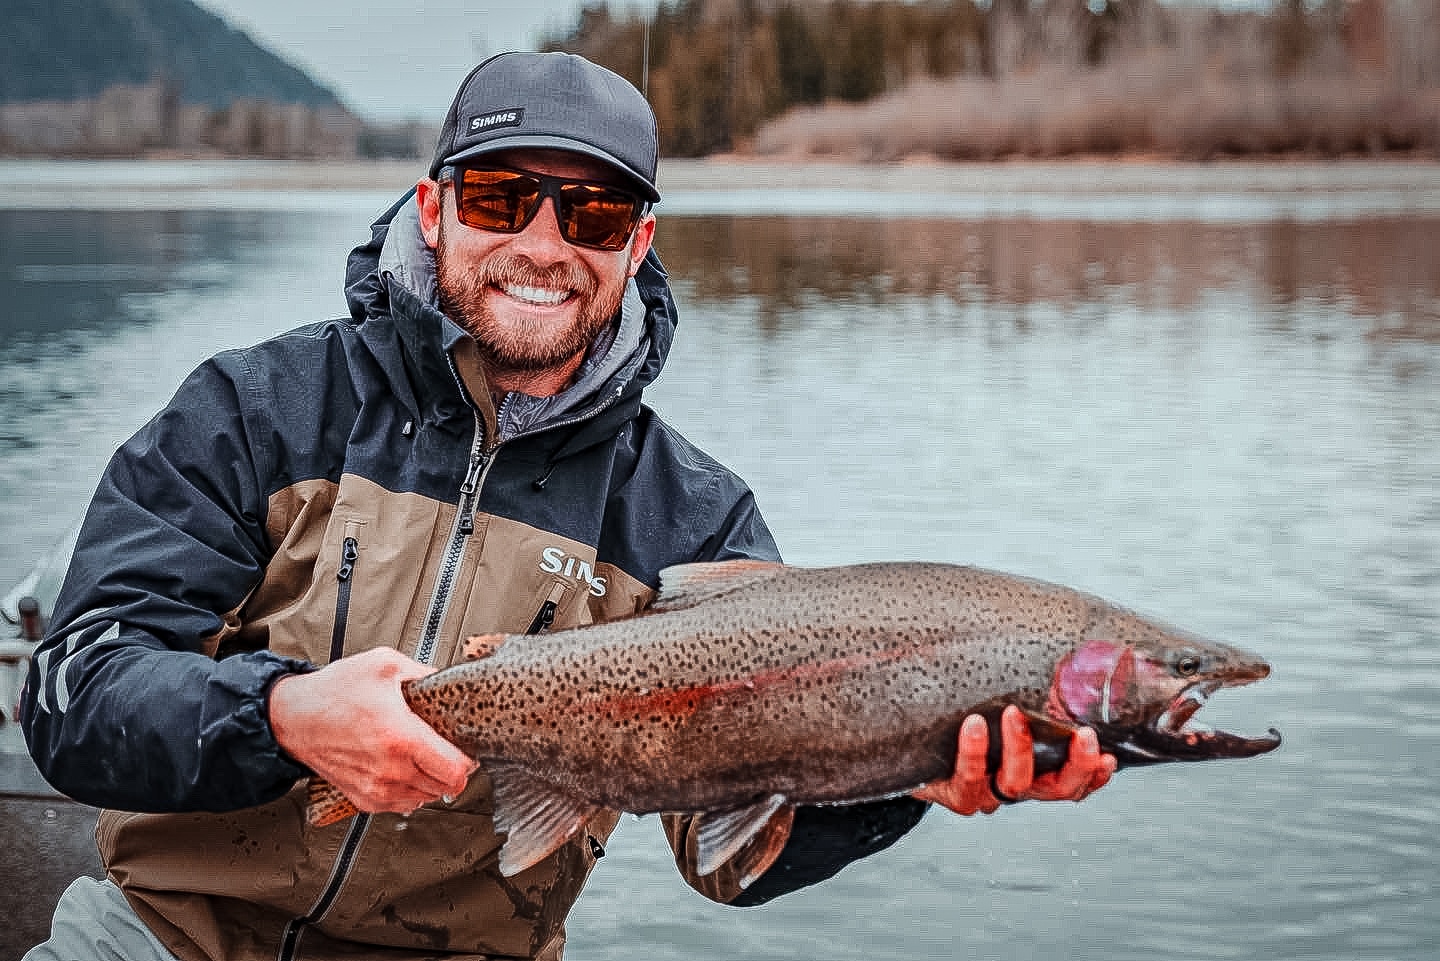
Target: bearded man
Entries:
(318, 518)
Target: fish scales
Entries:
(822, 685)
(749, 686)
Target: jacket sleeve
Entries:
(799, 846)
(125, 706)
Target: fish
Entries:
(749, 687)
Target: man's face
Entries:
(531, 300)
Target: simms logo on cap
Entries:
(512, 117)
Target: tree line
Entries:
(717, 71)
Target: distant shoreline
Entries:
(209, 183)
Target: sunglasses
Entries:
(591, 215)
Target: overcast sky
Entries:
(397, 59)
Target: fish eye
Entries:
(1188, 665)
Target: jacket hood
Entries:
(391, 290)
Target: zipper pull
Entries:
(350, 553)
(543, 619)
(467, 494)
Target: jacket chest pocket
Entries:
(536, 612)
(332, 608)
(354, 575)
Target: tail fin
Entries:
(326, 805)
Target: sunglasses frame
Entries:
(551, 187)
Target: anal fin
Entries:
(721, 835)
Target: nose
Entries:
(541, 239)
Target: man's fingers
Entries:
(967, 790)
(350, 723)
(971, 781)
(974, 745)
(1092, 768)
(444, 772)
(1017, 759)
(1086, 770)
(973, 789)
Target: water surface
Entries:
(1228, 422)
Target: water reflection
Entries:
(107, 310)
(72, 271)
(1378, 269)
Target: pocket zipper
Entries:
(546, 615)
(349, 554)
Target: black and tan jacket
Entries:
(344, 486)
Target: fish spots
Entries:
(806, 682)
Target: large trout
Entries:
(748, 686)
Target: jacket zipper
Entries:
(460, 531)
(290, 938)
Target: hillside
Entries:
(69, 50)
(977, 80)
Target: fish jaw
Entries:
(1173, 736)
(1141, 698)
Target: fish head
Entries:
(1141, 695)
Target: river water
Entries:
(1219, 405)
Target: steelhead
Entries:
(749, 686)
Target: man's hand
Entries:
(349, 723)
(968, 790)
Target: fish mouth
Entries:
(1174, 735)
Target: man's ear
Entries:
(427, 199)
(640, 243)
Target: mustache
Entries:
(521, 271)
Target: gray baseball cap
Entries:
(555, 100)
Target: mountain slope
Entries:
(73, 49)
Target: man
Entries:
(318, 518)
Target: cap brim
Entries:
(637, 181)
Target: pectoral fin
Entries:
(534, 815)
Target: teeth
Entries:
(536, 295)
(1178, 718)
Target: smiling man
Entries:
(533, 301)
(318, 518)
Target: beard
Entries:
(523, 341)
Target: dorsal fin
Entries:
(686, 585)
